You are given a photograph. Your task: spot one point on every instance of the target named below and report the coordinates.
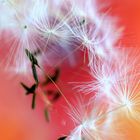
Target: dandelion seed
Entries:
(34, 62)
(29, 90)
(22, 32)
(33, 100)
(46, 113)
(56, 96)
(31, 57)
(127, 92)
(103, 76)
(125, 89)
(54, 77)
(35, 73)
(97, 34)
(62, 138)
(37, 52)
(52, 27)
(92, 121)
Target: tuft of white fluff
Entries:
(92, 121)
(56, 28)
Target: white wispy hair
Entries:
(117, 81)
(103, 74)
(20, 30)
(93, 121)
(96, 30)
(126, 89)
(36, 24)
(31, 25)
(55, 34)
(42, 23)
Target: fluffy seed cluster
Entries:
(57, 28)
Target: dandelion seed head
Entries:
(38, 22)
(92, 120)
(125, 90)
(20, 30)
(127, 103)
